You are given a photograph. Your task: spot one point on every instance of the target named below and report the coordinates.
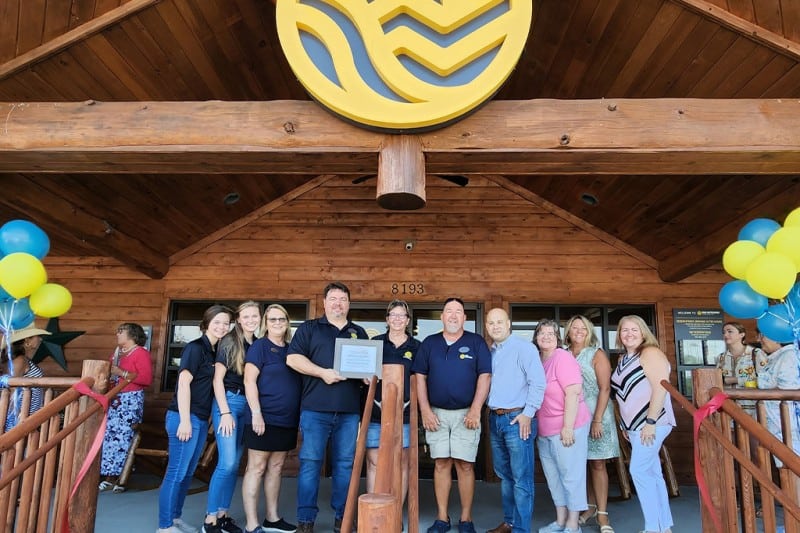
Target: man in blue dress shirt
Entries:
(516, 393)
(453, 371)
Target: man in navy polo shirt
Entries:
(453, 371)
(329, 406)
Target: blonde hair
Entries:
(232, 344)
(591, 338)
(287, 335)
(648, 339)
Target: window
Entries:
(184, 327)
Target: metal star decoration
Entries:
(53, 345)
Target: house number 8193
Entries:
(408, 288)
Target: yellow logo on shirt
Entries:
(407, 355)
(353, 335)
(465, 356)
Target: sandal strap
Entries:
(603, 512)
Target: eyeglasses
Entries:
(280, 320)
(546, 336)
(397, 316)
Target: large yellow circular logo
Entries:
(403, 65)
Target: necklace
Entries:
(123, 351)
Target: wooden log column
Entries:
(401, 173)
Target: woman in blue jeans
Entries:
(187, 418)
(229, 414)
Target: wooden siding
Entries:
(480, 242)
(778, 16)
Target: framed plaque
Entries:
(358, 358)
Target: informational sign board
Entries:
(698, 341)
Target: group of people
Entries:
(259, 392)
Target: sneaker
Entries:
(212, 528)
(279, 526)
(104, 486)
(305, 527)
(505, 527)
(170, 529)
(552, 527)
(579, 530)
(228, 525)
(182, 526)
(439, 526)
(466, 527)
(337, 526)
(256, 530)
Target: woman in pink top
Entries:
(563, 429)
(129, 358)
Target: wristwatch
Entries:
(650, 421)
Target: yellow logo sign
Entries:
(403, 65)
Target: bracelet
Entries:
(225, 413)
(125, 375)
(597, 421)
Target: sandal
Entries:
(118, 489)
(104, 486)
(604, 528)
(584, 520)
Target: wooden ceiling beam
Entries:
(627, 136)
(68, 221)
(73, 36)
(743, 27)
(707, 251)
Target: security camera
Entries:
(409, 246)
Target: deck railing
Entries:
(42, 455)
(726, 457)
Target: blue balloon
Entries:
(15, 315)
(740, 301)
(777, 324)
(793, 299)
(759, 230)
(23, 236)
(4, 296)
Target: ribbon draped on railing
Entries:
(93, 450)
(711, 407)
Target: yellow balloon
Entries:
(21, 274)
(792, 219)
(51, 300)
(786, 241)
(772, 275)
(739, 255)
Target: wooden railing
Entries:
(726, 457)
(41, 456)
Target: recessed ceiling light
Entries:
(231, 198)
(589, 199)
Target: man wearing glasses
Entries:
(453, 371)
(329, 406)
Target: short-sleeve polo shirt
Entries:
(198, 359)
(278, 385)
(231, 381)
(316, 339)
(452, 370)
(403, 355)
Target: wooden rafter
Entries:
(761, 35)
(69, 222)
(636, 136)
(708, 250)
(73, 36)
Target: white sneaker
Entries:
(183, 527)
(552, 527)
(170, 529)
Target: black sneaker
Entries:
(279, 526)
(228, 525)
(212, 528)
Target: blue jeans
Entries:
(317, 429)
(183, 457)
(229, 452)
(513, 463)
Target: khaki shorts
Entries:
(453, 439)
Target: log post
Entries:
(358, 462)
(401, 173)
(711, 453)
(378, 513)
(83, 508)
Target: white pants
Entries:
(648, 479)
(565, 468)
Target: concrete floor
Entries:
(136, 510)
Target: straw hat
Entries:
(24, 333)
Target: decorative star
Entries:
(53, 345)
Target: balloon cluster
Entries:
(765, 262)
(24, 291)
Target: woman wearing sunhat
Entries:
(24, 343)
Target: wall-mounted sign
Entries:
(698, 341)
(403, 65)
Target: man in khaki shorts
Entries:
(453, 372)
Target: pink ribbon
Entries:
(93, 451)
(711, 407)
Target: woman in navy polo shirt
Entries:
(398, 348)
(229, 414)
(273, 394)
(187, 417)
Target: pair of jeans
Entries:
(513, 463)
(648, 478)
(317, 428)
(229, 453)
(565, 468)
(183, 458)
